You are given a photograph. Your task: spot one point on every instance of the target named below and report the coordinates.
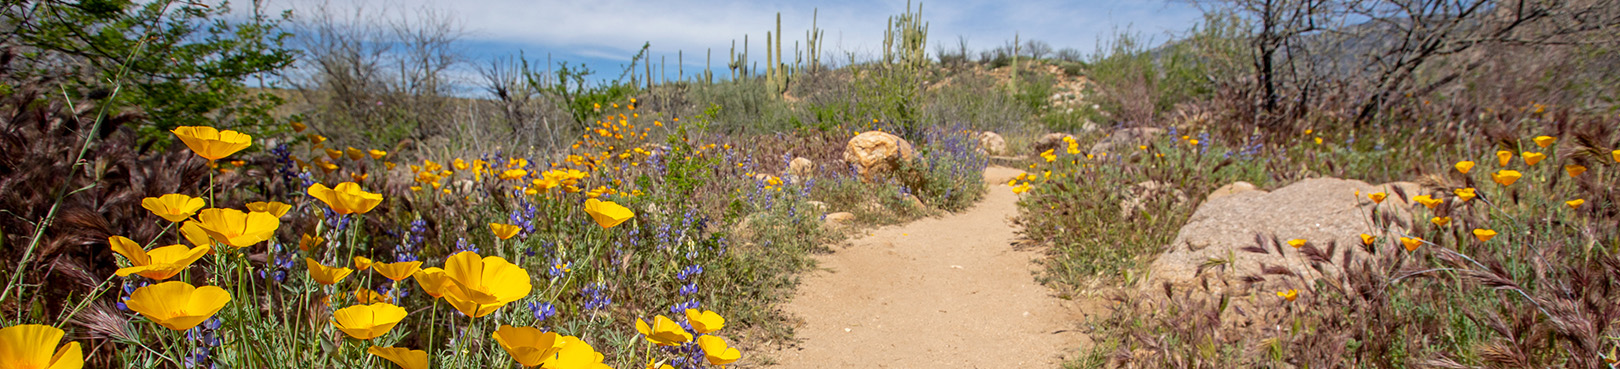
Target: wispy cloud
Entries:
(605, 33)
(597, 27)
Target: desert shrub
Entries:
(950, 172)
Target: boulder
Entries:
(876, 153)
(1052, 141)
(1126, 137)
(801, 167)
(992, 143)
(1324, 211)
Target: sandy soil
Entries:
(938, 292)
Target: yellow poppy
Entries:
(398, 271)
(354, 154)
(433, 281)
(575, 353)
(1049, 156)
(1503, 157)
(212, 144)
(326, 275)
(1289, 295)
(528, 345)
(326, 166)
(1616, 154)
(505, 231)
(1412, 243)
(306, 242)
(334, 154)
(705, 321)
(158, 264)
(1297, 242)
(34, 346)
(193, 232)
(1377, 197)
(177, 305)
(174, 207)
(1544, 141)
(403, 357)
(1575, 204)
(663, 332)
(1367, 239)
(315, 138)
(1484, 234)
(236, 228)
(390, 165)
(1427, 201)
(1505, 177)
(1531, 158)
(359, 177)
(364, 322)
(346, 198)
(298, 127)
(1465, 194)
(715, 350)
(1464, 166)
(377, 154)
(485, 284)
(1440, 221)
(1575, 169)
(275, 208)
(607, 213)
(365, 296)
(362, 263)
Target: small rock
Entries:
(992, 143)
(913, 201)
(801, 167)
(839, 219)
(1231, 189)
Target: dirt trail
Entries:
(938, 292)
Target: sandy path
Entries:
(938, 292)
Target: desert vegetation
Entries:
(184, 186)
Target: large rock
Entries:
(992, 143)
(1323, 211)
(876, 153)
(1052, 141)
(1127, 138)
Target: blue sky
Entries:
(605, 33)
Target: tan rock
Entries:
(839, 219)
(801, 167)
(1323, 211)
(992, 143)
(1232, 189)
(877, 153)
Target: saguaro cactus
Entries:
(905, 38)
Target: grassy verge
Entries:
(1454, 299)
